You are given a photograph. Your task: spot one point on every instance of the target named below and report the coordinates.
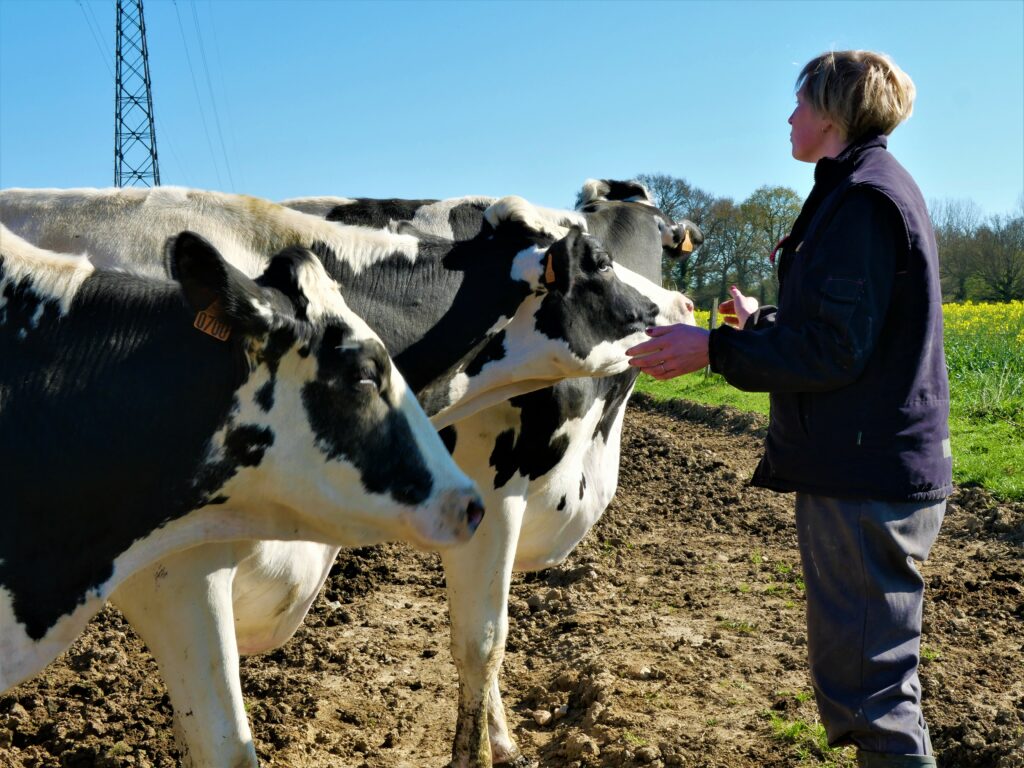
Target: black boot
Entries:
(882, 760)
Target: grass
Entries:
(987, 433)
(633, 740)
(712, 390)
(740, 627)
(119, 749)
(809, 742)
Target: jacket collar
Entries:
(828, 173)
(830, 170)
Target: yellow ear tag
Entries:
(208, 321)
(549, 271)
(687, 245)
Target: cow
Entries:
(141, 417)
(470, 323)
(548, 459)
(613, 211)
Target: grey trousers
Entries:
(864, 603)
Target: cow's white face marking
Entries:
(528, 266)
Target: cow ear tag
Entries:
(209, 322)
(687, 245)
(549, 271)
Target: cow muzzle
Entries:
(453, 519)
(678, 309)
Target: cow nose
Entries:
(680, 310)
(474, 514)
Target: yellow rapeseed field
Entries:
(984, 337)
(1004, 320)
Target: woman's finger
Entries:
(659, 330)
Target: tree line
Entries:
(981, 258)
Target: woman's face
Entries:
(809, 132)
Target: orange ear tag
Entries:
(208, 321)
(549, 271)
(687, 245)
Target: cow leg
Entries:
(503, 749)
(478, 574)
(181, 607)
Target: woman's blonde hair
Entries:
(860, 91)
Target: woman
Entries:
(854, 362)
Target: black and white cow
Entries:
(140, 417)
(471, 324)
(548, 459)
(612, 211)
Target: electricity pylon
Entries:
(135, 160)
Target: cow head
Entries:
(581, 314)
(323, 423)
(596, 307)
(624, 216)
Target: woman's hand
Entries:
(736, 310)
(672, 351)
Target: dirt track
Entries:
(664, 640)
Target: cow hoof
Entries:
(521, 761)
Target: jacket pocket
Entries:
(839, 297)
(839, 300)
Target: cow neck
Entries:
(125, 381)
(431, 313)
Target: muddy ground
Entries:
(673, 636)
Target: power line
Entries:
(90, 22)
(199, 101)
(213, 101)
(226, 92)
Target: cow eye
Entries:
(604, 266)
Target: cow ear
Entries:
(561, 261)
(282, 274)
(213, 286)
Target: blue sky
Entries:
(438, 99)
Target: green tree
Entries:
(680, 200)
(956, 224)
(771, 212)
(1000, 257)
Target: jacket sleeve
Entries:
(846, 298)
(763, 317)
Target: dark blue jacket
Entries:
(853, 357)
